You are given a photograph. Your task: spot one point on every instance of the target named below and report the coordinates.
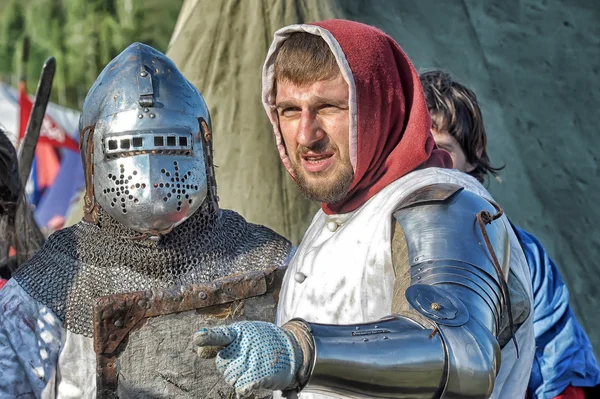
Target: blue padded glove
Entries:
(258, 355)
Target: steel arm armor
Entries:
(447, 346)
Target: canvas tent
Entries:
(532, 65)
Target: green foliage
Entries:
(83, 36)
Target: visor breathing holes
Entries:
(176, 187)
(120, 189)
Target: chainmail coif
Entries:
(85, 261)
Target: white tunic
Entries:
(39, 358)
(350, 277)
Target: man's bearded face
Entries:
(314, 123)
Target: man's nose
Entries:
(309, 129)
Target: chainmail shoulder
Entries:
(85, 261)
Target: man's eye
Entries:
(327, 106)
(289, 111)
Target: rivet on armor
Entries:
(357, 328)
(253, 283)
(385, 337)
(365, 340)
(143, 74)
(140, 116)
(299, 277)
(142, 303)
(152, 116)
(435, 306)
(332, 226)
(119, 323)
(112, 337)
(202, 295)
(146, 110)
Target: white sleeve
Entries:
(30, 342)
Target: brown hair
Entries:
(303, 59)
(454, 109)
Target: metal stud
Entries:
(299, 277)
(332, 226)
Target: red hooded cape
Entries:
(390, 127)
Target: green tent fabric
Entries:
(535, 67)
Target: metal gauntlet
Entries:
(448, 348)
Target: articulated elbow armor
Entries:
(449, 349)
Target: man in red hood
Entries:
(409, 282)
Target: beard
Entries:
(330, 186)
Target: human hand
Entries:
(257, 355)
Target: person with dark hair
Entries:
(402, 286)
(18, 232)
(564, 362)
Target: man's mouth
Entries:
(317, 162)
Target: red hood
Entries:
(390, 127)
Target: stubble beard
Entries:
(322, 188)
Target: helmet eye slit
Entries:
(129, 144)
